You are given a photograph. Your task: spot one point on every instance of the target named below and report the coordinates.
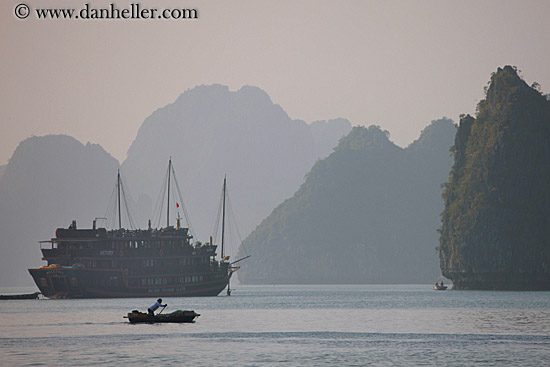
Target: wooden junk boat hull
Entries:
(175, 317)
(68, 282)
(95, 263)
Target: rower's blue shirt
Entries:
(155, 306)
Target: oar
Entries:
(161, 310)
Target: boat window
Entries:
(148, 263)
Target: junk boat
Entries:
(96, 263)
(101, 263)
(440, 287)
(178, 316)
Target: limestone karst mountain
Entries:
(368, 213)
(48, 182)
(209, 132)
(496, 223)
(2, 170)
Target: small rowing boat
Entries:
(177, 316)
(21, 296)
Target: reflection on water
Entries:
(293, 325)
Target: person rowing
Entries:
(151, 310)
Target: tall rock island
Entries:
(496, 223)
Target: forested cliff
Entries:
(368, 213)
(496, 223)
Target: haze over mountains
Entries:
(48, 182)
(368, 213)
(208, 131)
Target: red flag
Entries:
(177, 205)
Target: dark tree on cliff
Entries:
(496, 224)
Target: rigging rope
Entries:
(112, 213)
(217, 227)
(127, 203)
(183, 207)
(111, 209)
(235, 223)
(231, 228)
(159, 206)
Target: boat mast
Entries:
(168, 199)
(223, 229)
(223, 215)
(118, 193)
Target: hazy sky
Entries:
(398, 64)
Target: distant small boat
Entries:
(21, 296)
(177, 316)
(440, 287)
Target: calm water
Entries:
(287, 325)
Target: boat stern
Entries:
(57, 282)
